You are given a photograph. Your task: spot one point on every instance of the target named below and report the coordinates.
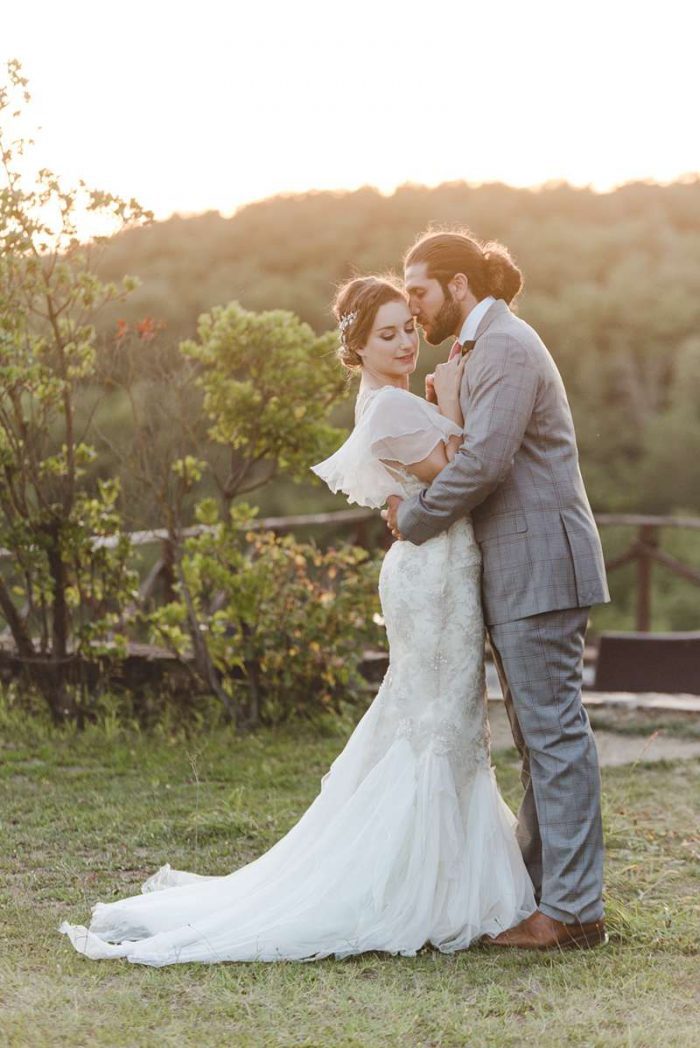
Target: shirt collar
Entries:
(473, 320)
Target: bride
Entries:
(409, 841)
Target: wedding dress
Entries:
(409, 841)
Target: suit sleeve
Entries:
(504, 381)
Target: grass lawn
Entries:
(89, 818)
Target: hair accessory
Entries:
(344, 323)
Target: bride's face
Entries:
(391, 351)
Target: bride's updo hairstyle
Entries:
(488, 267)
(355, 309)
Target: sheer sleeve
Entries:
(405, 428)
(396, 427)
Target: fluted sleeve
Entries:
(396, 427)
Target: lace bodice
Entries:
(435, 687)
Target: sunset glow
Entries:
(206, 106)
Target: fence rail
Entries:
(644, 550)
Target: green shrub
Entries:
(286, 623)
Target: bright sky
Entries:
(209, 104)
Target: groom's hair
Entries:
(488, 267)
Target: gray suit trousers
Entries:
(540, 661)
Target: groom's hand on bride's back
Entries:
(430, 394)
(389, 515)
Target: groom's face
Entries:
(436, 311)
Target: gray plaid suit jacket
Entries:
(517, 474)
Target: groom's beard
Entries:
(446, 322)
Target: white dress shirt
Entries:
(473, 319)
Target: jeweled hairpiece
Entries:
(344, 323)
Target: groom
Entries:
(517, 474)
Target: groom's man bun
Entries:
(355, 309)
(488, 267)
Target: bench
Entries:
(660, 662)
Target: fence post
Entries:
(648, 537)
(167, 572)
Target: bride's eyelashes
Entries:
(409, 329)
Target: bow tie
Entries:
(462, 348)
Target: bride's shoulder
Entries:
(391, 398)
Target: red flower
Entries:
(148, 328)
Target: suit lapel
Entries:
(494, 311)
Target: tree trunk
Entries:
(252, 718)
(202, 658)
(61, 700)
(17, 627)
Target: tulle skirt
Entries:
(396, 852)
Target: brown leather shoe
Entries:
(540, 932)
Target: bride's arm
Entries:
(448, 378)
(446, 383)
(428, 468)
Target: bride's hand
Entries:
(447, 381)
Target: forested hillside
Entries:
(612, 285)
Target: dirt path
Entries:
(613, 748)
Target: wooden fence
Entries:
(360, 527)
(644, 551)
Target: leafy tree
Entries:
(672, 441)
(268, 385)
(610, 282)
(69, 574)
